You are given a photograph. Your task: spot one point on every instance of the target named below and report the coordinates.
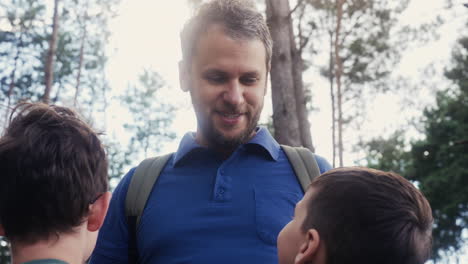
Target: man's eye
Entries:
(249, 80)
(215, 78)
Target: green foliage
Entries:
(437, 163)
(440, 160)
(151, 116)
(21, 45)
(387, 154)
(149, 128)
(25, 30)
(119, 159)
(369, 50)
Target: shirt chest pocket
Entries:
(273, 210)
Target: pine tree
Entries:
(439, 161)
(151, 116)
(363, 46)
(25, 36)
(437, 164)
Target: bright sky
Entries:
(146, 35)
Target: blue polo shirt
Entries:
(205, 209)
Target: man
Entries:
(358, 215)
(226, 193)
(53, 186)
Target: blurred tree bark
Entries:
(290, 117)
(82, 21)
(49, 66)
(338, 74)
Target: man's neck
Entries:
(225, 150)
(68, 248)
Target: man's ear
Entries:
(2, 231)
(309, 248)
(98, 211)
(183, 76)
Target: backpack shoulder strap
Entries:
(140, 187)
(142, 183)
(304, 164)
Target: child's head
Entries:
(53, 175)
(358, 215)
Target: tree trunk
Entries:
(338, 74)
(290, 116)
(80, 63)
(285, 120)
(49, 66)
(301, 100)
(57, 93)
(332, 96)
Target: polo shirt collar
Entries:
(187, 144)
(262, 138)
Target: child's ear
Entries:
(309, 248)
(98, 211)
(183, 76)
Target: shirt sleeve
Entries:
(322, 164)
(112, 242)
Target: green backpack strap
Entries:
(142, 183)
(140, 187)
(304, 164)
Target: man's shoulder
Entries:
(322, 163)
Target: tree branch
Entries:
(347, 33)
(302, 40)
(299, 3)
(303, 44)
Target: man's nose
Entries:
(234, 93)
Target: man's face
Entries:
(292, 237)
(227, 83)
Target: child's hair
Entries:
(370, 216)
(53, 166)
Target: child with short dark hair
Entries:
(358, 215)
(53, 185)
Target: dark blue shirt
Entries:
(205, 209)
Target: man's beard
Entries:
(217, 140)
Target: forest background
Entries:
(376, 83)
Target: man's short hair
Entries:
(240, 19)
(370, 216)
(53, 166)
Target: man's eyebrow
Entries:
(213, 71)
(251, 73)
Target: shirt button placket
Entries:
(221, 187)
